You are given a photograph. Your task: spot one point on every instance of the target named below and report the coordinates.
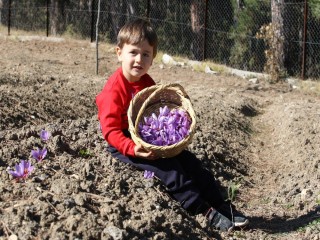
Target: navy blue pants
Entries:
(184, 177)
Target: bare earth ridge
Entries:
(262, 138)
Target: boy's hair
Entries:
(135, 32)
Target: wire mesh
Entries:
(224, 32)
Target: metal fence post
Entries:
(205, 32)
(97, 39)
(305, 25)
(47, 18)
(148, 9)
(92, 19)
(9, 18)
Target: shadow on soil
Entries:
(284, 224)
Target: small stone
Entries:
(306, 194)
(114, 232)
(13, 237)
(254, 80)
(149, 183)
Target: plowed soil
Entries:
(261, 140)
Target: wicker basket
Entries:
(148, 101)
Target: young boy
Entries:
(185, 179)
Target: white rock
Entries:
(166, 59)
(13, 237)
(208, 70)
(194, 63)
(181, 64)
(291, 81)
(114, 232)
(254, 80)
(306, 194)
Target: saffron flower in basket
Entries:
(170, 127)
(44, 135)
(22, 170)
(39, 154)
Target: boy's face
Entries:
(135, 59)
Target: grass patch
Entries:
(314, 224)
(233, 190)
(198, 66)
(85, 153)
(310, 86)
(18, 32)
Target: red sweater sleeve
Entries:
(112, 103)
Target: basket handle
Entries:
(175, 86)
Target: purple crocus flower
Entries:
(22, 170)
(44, 135)
(39, 154)
(164, 111)
(172, 119)
(170, 127)
(148, 174)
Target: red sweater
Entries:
(113, 103)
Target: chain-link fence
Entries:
(251, 35)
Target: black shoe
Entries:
(219, 221)
(229, 210)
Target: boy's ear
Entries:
(118, 51)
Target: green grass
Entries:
(198, 67)
(314, 224)
(310, 86)
(289, 206)
(85, 153)
(233, 190)
(18, 32)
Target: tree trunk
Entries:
(197, 24)
(1, 6)
(54, 12)
(277, 13)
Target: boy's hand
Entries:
(140, 152)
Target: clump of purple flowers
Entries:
(22, 170)
(170, 127)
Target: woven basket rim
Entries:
(153, 91)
